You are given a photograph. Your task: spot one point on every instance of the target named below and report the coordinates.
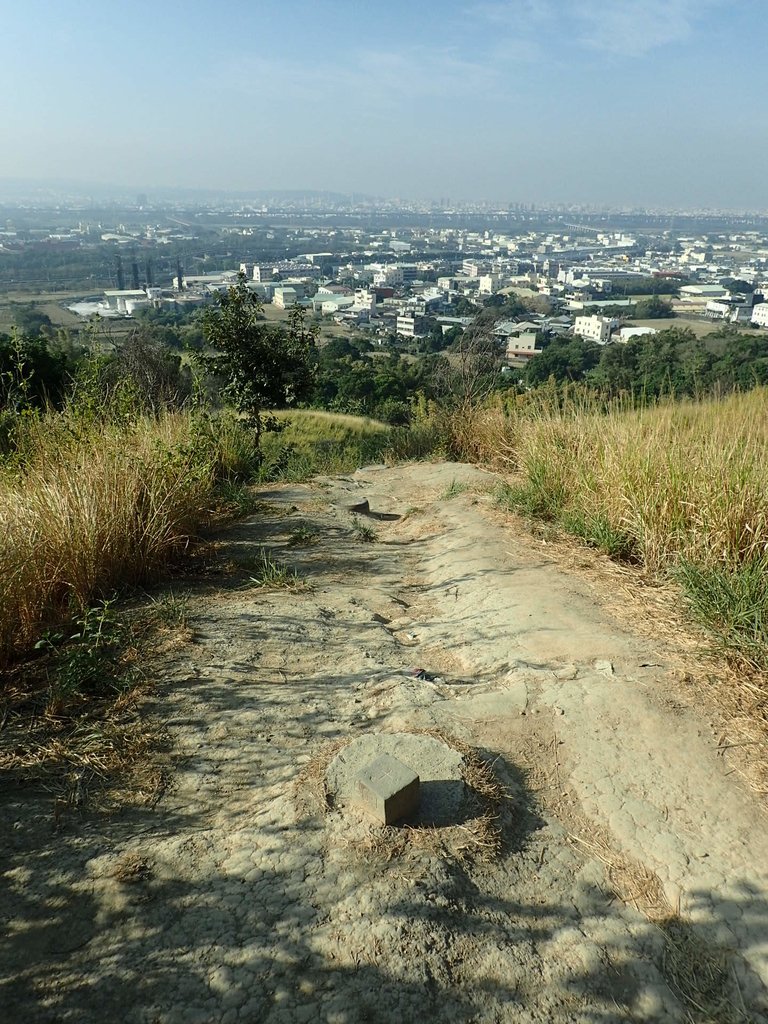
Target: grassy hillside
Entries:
(318, 425)
(317, 442)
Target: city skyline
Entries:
(635, 104)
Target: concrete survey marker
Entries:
(393, 775)
(388, 789)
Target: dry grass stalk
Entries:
(93, 510)
(679, 479)
(132, 868)
(310, 790)
(698, 971)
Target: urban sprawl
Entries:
(605, 283)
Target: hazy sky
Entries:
(652, 102)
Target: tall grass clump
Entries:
(90, 504)
(680, 488)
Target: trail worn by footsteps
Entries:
(631, 877)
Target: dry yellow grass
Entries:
(683, 479)
(92, 508)
(318, 424)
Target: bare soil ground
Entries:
(624, 876)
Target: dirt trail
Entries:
(632, 880)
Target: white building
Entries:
(410, 325)
(717, 309)
(595, 328)
(388, 277)
(448, 284)
(365, 299)
(217, 279)
(133, 306)
(489, 284)
(521, 349)
(760, 315)
(731, 310)
(701, 293)
(118, 298)
(473, 268)
(334, 304)
(285, 297)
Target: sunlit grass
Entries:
(666, 486)
(88, 507)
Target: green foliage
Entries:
(564, 359)
(32, 321)
(262, 366)
(743, 364)
(461, 306)
(169, 611)
(737, 285)
(597, 530)
(32, 374)
(320, 443)
(364, 531)
(499, 307)
(454, 489)
(731, 601)
(653, 308)
(542, 495)
(172, 328)
(673, 362)
(351, 379)
(272, 575)
(85, 663)
(647, 286)
(229, 443)
(141, 376)
(302, 536)
(235, 499)
(470, 377)
(617, 370)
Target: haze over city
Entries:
(637, 103)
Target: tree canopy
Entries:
(671, 362)
(262, 366)
(653, 308)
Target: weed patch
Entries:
(268, 574)
(363, 531)
(454, 489)
(731, 602)
(235, 500)
(72, 711)
(596, 530)
(303, 536)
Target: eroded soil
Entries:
(632, 878)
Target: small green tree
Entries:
(262, 366)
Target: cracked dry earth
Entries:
(631, 883)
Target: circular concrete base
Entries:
(443, 793)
